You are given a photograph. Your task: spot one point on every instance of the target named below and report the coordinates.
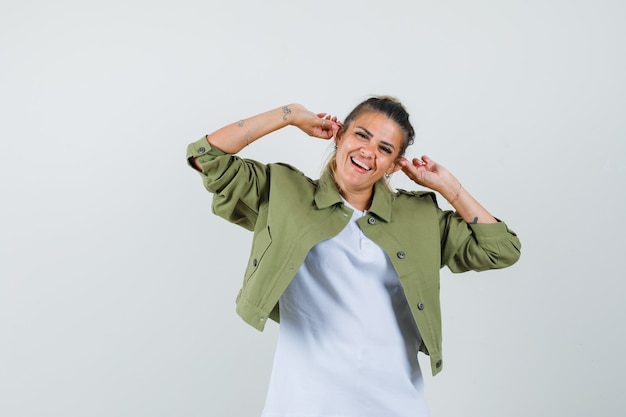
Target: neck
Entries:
(359, 200)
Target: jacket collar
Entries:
(327, 195)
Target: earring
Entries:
(387, 176)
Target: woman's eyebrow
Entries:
(371, 135)
(366, 131)
(388, 144)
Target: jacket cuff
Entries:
(203, 147)
(491, 232)
(203, 151)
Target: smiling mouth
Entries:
(360, 164)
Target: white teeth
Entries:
(361, 164)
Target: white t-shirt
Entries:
(347, 344)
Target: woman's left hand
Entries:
(428, 173)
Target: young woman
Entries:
(348, 266)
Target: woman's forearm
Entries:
(468, 207)
(428, 173)
(234, 137)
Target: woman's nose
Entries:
(367, 150)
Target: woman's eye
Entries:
(361, 135)
(385, 149)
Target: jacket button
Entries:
(401, 254)
(439, 363)
(202, 149)
(254, 262)
(421, 306)
(371, 220)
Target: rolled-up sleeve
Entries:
(477, 247)
(238, 185)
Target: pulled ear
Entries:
(338, 136)
(395, 167)
(339, 132)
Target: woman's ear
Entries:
(395, 167)
(338, 136)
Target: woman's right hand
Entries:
(234, 137)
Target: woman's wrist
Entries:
(455, 196)
(289, 113)
(452, 190)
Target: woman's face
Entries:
(366, 150)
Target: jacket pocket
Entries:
(260, 244)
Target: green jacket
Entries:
(290, 213)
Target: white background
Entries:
(117, 284)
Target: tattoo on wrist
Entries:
(240, 123)
(475, 221)
(286, 112)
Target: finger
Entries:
(402, 161)
(410, 174)
(427, 159)
(418, 162)
(407, 167)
